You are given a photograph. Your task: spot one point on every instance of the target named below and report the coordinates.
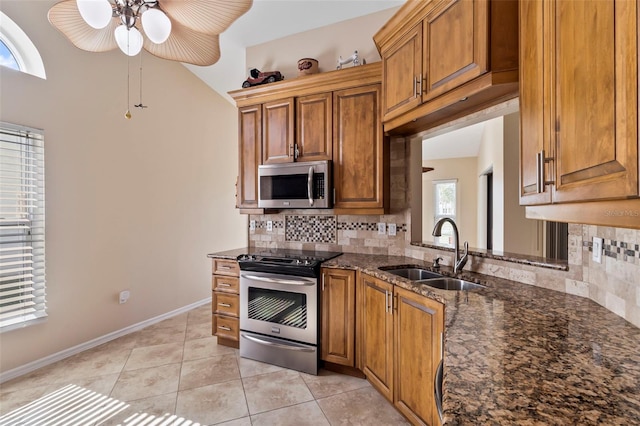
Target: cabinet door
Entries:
(313, 127)
(595, 62)
(359, 155)
(456, 34)
(250, 155)
(377, 329)
(402, 74)
(535, 132)
(277, 125)
(338, 316)
(419, 323)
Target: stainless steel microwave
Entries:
(303, 185)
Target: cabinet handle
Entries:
(420, 84)
(415, 87)
(541, 183)
(224, 305)
(386, 302)
(224, 285)
(222, 327)
(225, 267)
(322, 282)
(291, 150)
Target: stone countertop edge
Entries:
(229, 254)
(540, 262)
(520, 354)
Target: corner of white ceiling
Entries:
(228, 73)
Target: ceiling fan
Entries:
(178, 30)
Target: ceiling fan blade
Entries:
(65, 17)
(206, 16)
(186, 45)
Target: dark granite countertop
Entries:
(519, 354)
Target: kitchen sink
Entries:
(448, 283)
(414, 274)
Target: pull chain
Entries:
(127, 114)
(140, 105)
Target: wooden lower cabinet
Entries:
(400, 343)
(338, 316)
(377, 333)
(225, 306)
(418, 328)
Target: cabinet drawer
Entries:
(226, 267)
(226, 304)
(226, 327)
(225, 284)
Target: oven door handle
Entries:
(280, 281)
(288, 346)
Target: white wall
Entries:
(490, 155)
(325, 44)
(132, 204)
(465, 171)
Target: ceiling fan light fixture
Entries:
(129, 40)
(96, 13)
(156, 25)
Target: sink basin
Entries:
(413, 274)
(447, 283)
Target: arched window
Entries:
(17, 51)
(7, 58)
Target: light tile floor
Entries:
(174, 374)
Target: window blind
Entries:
(22, 266)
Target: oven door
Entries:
(281, 306)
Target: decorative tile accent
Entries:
(310, 229)
(619, 250)
(367, 226)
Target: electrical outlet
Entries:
(124, 296)
(597, 250)
(269, 226)
(392, 229)
(252, 225)
(382, 228)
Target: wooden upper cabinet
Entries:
(535, 131)
(278, 133)
(377, 329)
(584, 114)
(338, 316)
(402, 71)
(438, 53)
(249, 155)
(314, 127)
(455, 45)
(359, 155)
(418, 328)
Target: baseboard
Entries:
(43, 362)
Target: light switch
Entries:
(597, 249)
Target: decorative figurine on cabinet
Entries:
(257, 77)
(353, 58)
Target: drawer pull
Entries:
(222, 327)
(224, 285)
(224, 305)
(225, 267)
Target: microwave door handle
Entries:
(310, 185)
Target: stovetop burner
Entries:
(285, 261)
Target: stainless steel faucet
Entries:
(459, 261)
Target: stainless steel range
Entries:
(279, 315)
